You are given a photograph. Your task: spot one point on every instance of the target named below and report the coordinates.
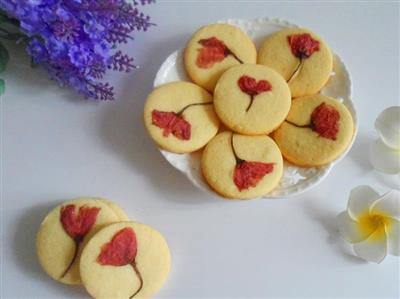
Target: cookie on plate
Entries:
(242, 167)
(301, 57)
(215, 48)
(317, 130)
(180, 117)
(252, 99)
(125, 260)
(65, 231)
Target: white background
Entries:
(57, 146)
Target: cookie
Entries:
(122, 216)
(180, 117)
(215, 48)
(65, 231)
(252, 99)
(125, 260)
(242, 167)
(317, 130)
(301, 57)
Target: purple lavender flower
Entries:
(74, 40)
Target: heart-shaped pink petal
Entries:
(77, 225)
(121, 250)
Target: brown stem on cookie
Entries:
(77, 223)
(252, 87)
(180, 112)
(229, 52)
(250, 103)
(297, 70)
(324, 120)
(248, 173)
(302, 47)
(309, 126)
(76, 250)
(137, 272)
(238, 160)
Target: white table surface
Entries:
(56, 146)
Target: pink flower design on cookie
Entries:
(213, 50)
(248, 173)
(250, 86)
(324, 120)
(173, 122)
(302, 46)
(77, 225)
(121, 251)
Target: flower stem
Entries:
(250, 103)
(238, 160)
(180, 112)
(309, 126)
(234, 56)
(134, 266)
(77, 243)
(6, 19)
(297, 70)
(7, 35)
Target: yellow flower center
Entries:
(377, 224)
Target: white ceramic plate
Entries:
(295, 179)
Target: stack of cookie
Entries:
(268, 103)
(91, 241)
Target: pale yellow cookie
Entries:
(121, 214)
(215, 48)
(65, 231)
(318, 130)
(282, 51)
(125, 260)
(242, 167)
(252, 99)
(180, 117)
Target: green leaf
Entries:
(3, 18)
(4, 58)
(2, 86)
(6, 20)
(33, 64)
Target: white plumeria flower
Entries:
(372, 223)
(385, 152)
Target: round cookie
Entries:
(301, 57)
(242, 167)
(317, 130)
(122, 216)
(125, 260)
(252, 99)
(180, 117)
(215, 48)
(65, 231)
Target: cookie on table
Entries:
(301, 57)
(125, 260)
(215, 48)
(317, 130)
(242, 167)
(65, 231)
(121, 214)
(180, 117)
(252, 99)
